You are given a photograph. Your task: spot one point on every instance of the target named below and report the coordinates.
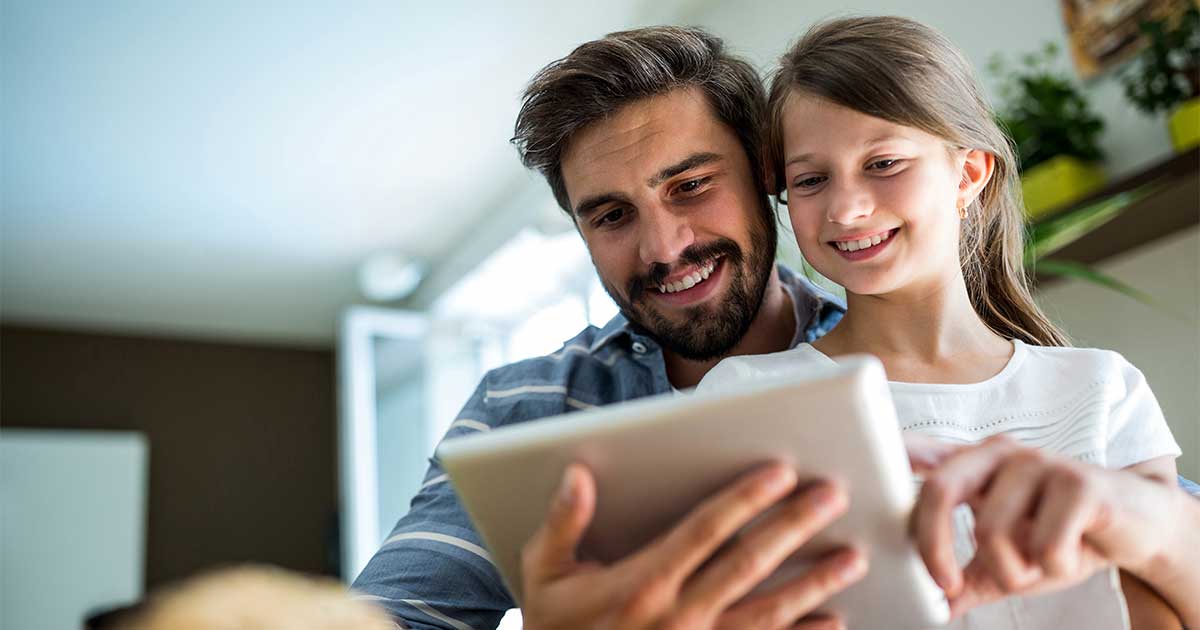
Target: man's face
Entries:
(681, 236)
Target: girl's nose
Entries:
(848, 204)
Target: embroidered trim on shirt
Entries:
(999, 421)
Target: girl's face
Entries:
(874, 204)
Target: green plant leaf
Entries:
(1055, 233)
(1080, 271)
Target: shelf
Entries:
(1172, 208)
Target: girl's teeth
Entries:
(853, 246)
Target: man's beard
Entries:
(707, 331)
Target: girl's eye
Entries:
(882, 165)
(809, 182)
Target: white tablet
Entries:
(656, 458)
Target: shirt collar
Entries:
(616, 327)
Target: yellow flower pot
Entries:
(1056, 183)
(1185, 125)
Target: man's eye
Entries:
(610, 217)
(692, 185)
(882, 165)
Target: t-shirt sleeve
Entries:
(1137, 430)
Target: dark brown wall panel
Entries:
(242, 438)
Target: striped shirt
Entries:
(433, 571)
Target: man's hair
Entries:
(601, 76)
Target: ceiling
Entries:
(221, 169)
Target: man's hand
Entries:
(689, 577)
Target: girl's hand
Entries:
(1042, 522)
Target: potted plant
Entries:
(1055, 131)
(1166, 75)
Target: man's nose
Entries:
(848, 203)
(663, 236)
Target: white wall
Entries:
(1164, 343)
(72, 526)
(762, 29)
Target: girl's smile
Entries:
(865, 246)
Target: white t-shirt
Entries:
(1088, 404)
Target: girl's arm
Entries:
(1166, 556)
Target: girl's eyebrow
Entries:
(808, 157)
(803, 157)
(886, 138)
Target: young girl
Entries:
(901, 188)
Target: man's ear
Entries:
(977, 168)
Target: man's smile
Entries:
(692, 287)
(683, 281)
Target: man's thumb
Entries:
(554, 545)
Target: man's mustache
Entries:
(696, 255)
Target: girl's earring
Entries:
(962, 210)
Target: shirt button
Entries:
(639, 347)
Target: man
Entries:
(649, 140)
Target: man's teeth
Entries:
(689, 281)
(853, 246)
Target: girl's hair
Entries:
(906, 73)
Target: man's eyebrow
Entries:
(688, 163)
(589, 205)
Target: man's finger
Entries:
(820, 622)
(800, 597)
(676, 555)
(758, 551)
(551, 551)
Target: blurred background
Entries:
(255, 255)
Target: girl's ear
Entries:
(977, 168)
